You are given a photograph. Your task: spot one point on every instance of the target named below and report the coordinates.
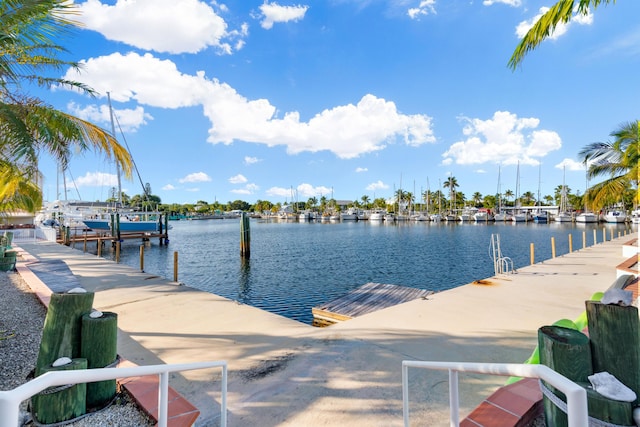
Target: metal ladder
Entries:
(501, 264)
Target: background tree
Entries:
(365, 202)
(618, 162)
(508, 195)
(477, 198)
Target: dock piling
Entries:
(532, 250)
(245, 236)
(175, 266)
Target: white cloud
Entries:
(358, 170)
(172, 26)
(301, 192)
(193, 189)
(378, 185)
(424, 8)
(273, 12)
(195, 177)
(505, 138)
(571, 165)
(126, 119)
(238, 179)
(347, 130)
(168, 187)
(97, 179)
(524, 26)
(514, 3)
(251, 160)
(247, 190)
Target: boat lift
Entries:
(501, 264)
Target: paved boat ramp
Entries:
(286, 373)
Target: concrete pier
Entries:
(285, 373)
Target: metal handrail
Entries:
(576, 395)
(10, 400)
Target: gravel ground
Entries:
(21, 320)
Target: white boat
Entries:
(389, 217)
(376, 215)
(635, 216)
(587, 217)
(422, 217)
(503, 216)
(436, 218)
(131, 222)
(521, 217)
(563, 217)
(350, 215)
(615, 216)
(483, 216)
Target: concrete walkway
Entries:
(285, 373)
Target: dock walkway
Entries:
(285, 373)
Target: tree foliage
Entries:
(559, 13)
(29, 127)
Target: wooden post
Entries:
(99, 347)
(584, 239)
(532, 251)
(175, 266)
(117, 236)
(567, 352)
(166, 229)
(615, 342)
(117, 250)
(61, 330)
(66, 404)
(142, 258)
(84, 249)
(604, 234)
(595, 237)
(99, 249)
(611, 234)
(570, 243)
(245, 236)
(553, 247)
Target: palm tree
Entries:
(477, 198)
(561, 12)
(451, 183)
(508, 194)
(616, 160)
(28, 126)
(365, 201)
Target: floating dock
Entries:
(365, 299)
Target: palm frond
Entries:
(561, 12)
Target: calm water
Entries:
(296, 266)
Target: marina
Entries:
(297, 266)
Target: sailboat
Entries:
(500, 215)
(540, 217)
(119, 220)
(586, 216)
(563, 214)
(437, 217)
(518, 215)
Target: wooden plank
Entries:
(367, 298)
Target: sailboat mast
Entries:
(113, 132)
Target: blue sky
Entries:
(256, 100)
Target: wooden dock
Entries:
(365, 299)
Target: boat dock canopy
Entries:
(365, 299)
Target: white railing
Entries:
(576, 395)
(10, 400)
